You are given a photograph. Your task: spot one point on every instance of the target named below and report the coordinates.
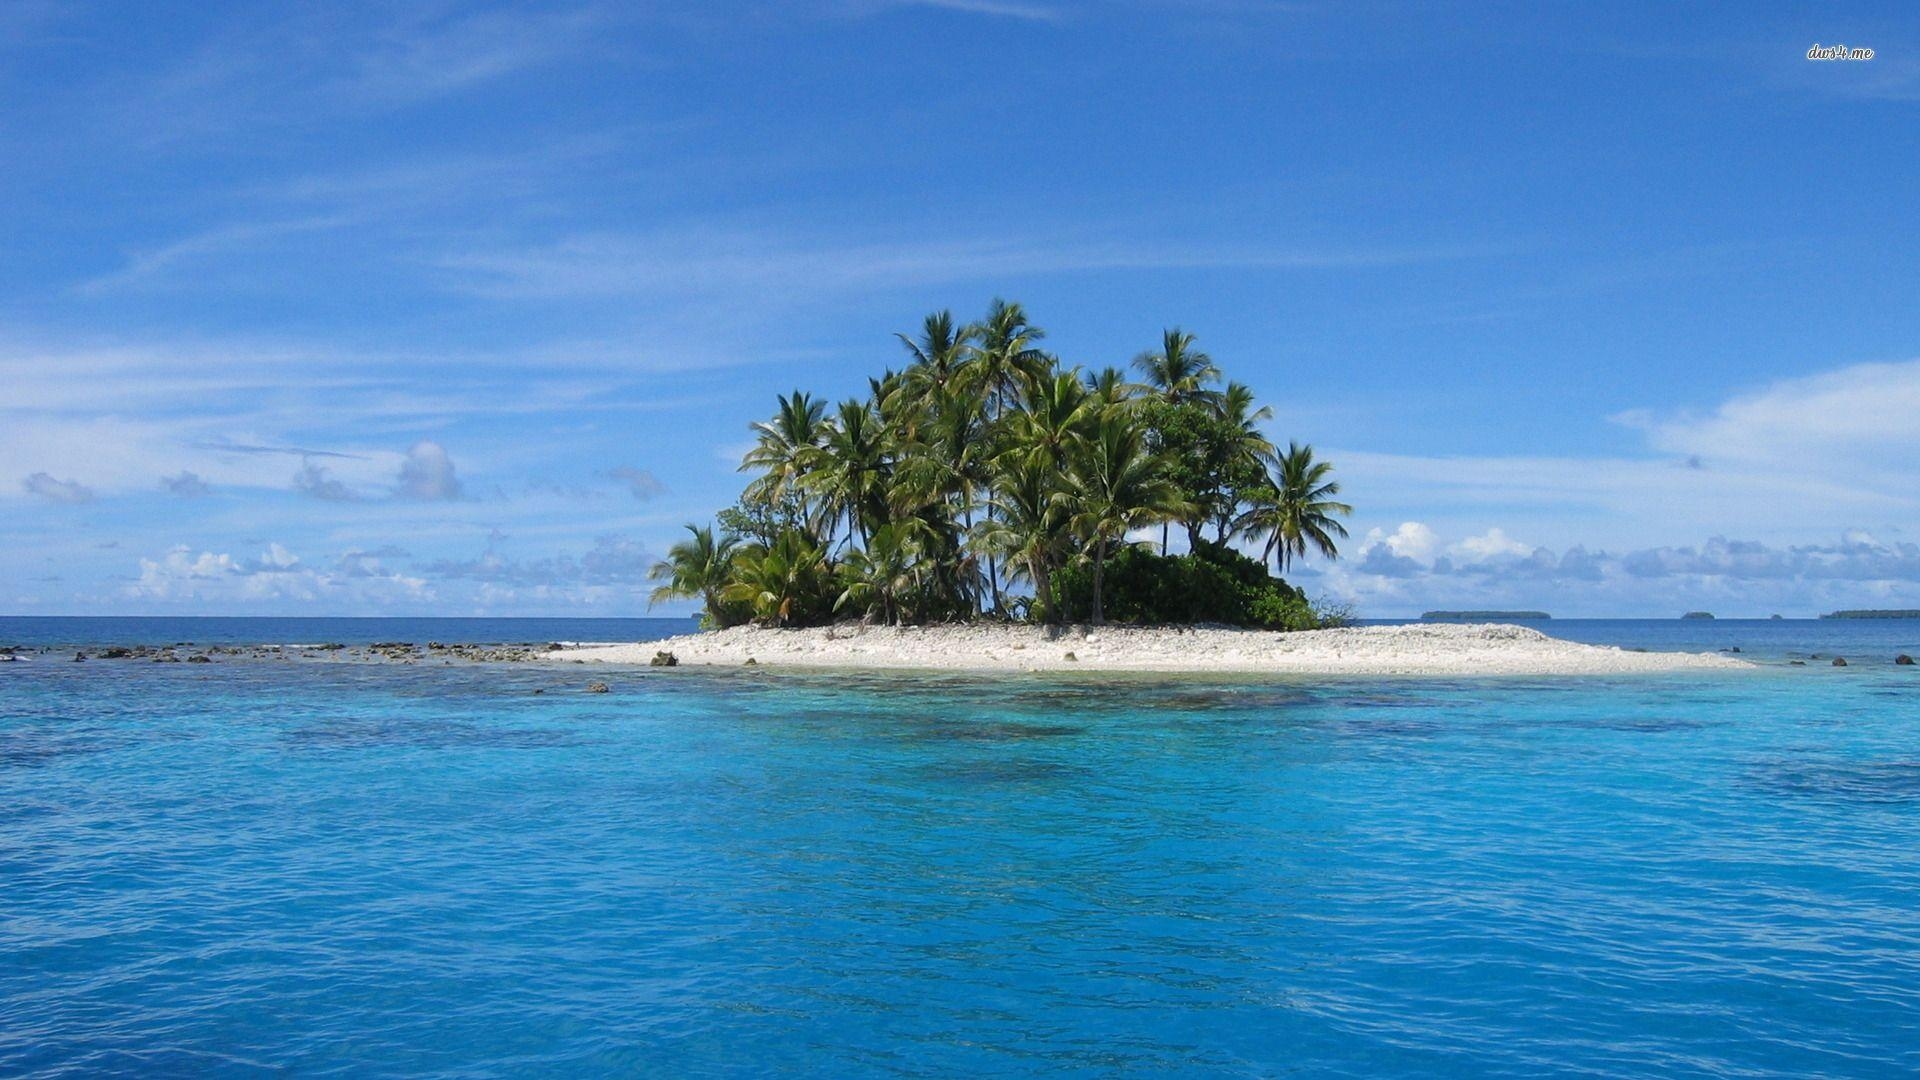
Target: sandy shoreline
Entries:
(1421, 649)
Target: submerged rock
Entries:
(596, 688)
(1839, 661)
(1903, 660)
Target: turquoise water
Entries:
(358, 869)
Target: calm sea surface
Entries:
(356, 869)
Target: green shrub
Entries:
(1211, 584)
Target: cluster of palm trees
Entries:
(984, 467)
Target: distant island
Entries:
(1873, 613)
(1483, 616)
(1698, 615)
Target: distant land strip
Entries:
(1485, 615)
(1873, 613)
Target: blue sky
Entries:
(457, 309)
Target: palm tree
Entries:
(1110, 389)
(1249, 445)
(1236, 406)
(786, 446)
(1005, 361)
(1178, 375)
(1117, 486)
(941, 353)
(1057, 414)
(849, 468)
(1179, 372)
(697, 567)
(879, 575)
(1297, 511)
(1004, 356)
(1029, 525)
(773, 580)
(938, 473)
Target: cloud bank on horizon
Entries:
(466, 308)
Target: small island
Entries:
(1698, 615)
(990, 507)
(1872, 613)
(990, 480)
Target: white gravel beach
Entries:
(1420, 649)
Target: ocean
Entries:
(253, 867)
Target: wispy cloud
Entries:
(331, 61)
(158, 265)
(422, 58)
(613, 560)
(1857, 421)
(738, 261)
(224, 447)
(1007, 9)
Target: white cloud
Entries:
(1411, 540)
(1493, 544)
(170, 574)
(428, 475)
(1859, 418)
(275, 559)
(1737, 576)
(206, 579)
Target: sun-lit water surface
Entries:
(352, 869)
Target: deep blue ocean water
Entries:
(358, 869)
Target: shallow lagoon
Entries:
(372, 868)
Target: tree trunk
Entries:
(1042, 588)
(1099, 572)
(1164, 527)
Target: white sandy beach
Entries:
(1421, 649)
